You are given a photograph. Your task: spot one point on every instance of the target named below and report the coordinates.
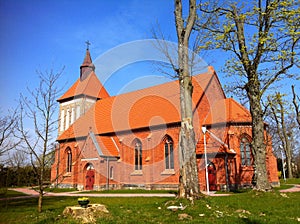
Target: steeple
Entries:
(87, 65)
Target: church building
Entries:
(131, 140)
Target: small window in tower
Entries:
(62, 118)
(68, 118)
(73, 115)
(77, 112)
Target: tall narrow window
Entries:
(77, 111)
(73, 115)
(138, 155)
(69, 160)
(111, 173)
(169, 153)
(62, 120)
(67, 118)
(245, 152)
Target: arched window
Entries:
(246, 155)
(138, 155)
(169, 153)
(69, 160)
(111, 172)
(89, 166)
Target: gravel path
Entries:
(296, 188)
(32, 193)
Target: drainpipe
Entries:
(107, 178)
(226, 171)
(204, 130)
(58, 162)
(226, 163)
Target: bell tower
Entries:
(78, 99)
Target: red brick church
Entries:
(131, 139)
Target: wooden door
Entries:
(89, 180)
(212, 179)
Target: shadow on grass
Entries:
(28, 202)
(60, 190)
(238, 191)
(248, 221)
(10, 193)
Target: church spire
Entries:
(87, 65)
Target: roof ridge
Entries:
(161, 84)
(76, 83)
(93, 137)
(130, 103)
(238, 104)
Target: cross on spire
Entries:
(87, 44)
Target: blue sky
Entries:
(40, 35)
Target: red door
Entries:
(212, 180)
(89, 180)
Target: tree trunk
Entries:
(40, 202)
(41, 190)
(278, 113)
(189, 184)
(288, 155)
(188, 180)
(287, 142)
(258, 140)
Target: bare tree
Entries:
(17, 161)
(296, 101)
(188, 181)
(7, 126)
(17, 158)
(39, 109)
(263, 40)
(284, 132)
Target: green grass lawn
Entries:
(248, 207)
(9, 193)
(290, 181)
(60, 190)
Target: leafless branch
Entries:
(296, 100)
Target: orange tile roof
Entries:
(157, 105)
(95, 146)
(227, 111)
(91, 86)
(109, 146)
